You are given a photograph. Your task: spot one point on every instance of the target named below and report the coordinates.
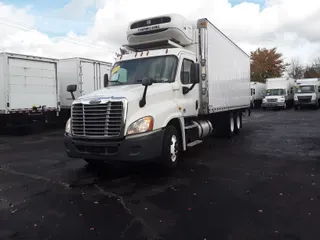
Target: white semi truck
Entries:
(86, 74)
(279, 93)
(182, 82)
(29, 89)
(258, 90)
(307, 92)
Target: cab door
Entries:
(188, 103)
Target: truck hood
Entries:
(130, 92)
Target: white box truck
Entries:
(279, 93)
(182, 82)
(85, 74)
(29, 89)
(307, 92)
(258, 90)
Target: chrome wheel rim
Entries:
(231, 124)
(238, 122)
(174, 148)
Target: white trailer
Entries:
(307, 92)
(258, 90)
(279, 93)
(29, 89)
(183, 81)
(85, 74)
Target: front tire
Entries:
(171, 148)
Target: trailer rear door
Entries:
(32, 83)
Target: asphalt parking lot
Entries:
(262, 184)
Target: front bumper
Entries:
(134, 148)
(273, 104)
(305, 103)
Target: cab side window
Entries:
(185, 71)
(319, 89)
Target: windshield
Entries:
(160, 69)
(305, 89)
(275, 92)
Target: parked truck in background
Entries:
(307, 92)
(86, 74)
(29, 89)
(183, 81)
(258, 91)
(279, 93)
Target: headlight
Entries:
(68, 127)
(142, 125)
(264, 100)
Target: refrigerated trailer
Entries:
(183, 81)
(85, 74)
(29, 89)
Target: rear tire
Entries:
(237, 122)
(171, 148)
(229, 126)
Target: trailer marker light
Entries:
(167, 51)
(136, 54)
(148, 53)
(203, 24)
(141, 54)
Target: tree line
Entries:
(269, 63)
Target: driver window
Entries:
(185, 71)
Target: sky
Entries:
(97, 28)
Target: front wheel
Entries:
(171, 148)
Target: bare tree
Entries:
(313, 70)
(295, 70)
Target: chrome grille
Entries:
(272, 100)
(104, 120)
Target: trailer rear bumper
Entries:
(130, 149)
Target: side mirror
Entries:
(147, 81)
(72, 88)
(105, 80)
(195, 73)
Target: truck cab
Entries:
(147, 90)
(307, 92)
